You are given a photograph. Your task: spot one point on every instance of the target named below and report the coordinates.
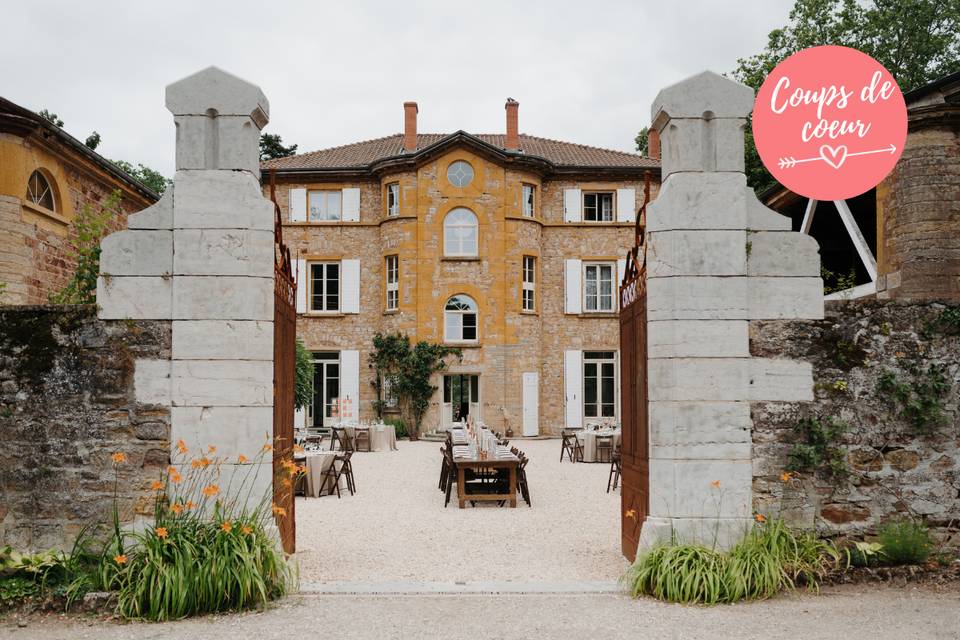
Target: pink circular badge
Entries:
(829, 123)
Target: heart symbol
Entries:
(834, 157)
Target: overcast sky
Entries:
(338, 72)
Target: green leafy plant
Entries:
(906, 542)
(3, 288)
(89, 227)
(152, 179)
(14, 589)
(303, 374)
(834, 282)
(409, 369)
(399, 425)
(816, 449)
(683, 573)
(919, 400)
(865, 554)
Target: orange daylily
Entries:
(161, 532)
(785, 476)
(171, 469)
(119, 457)
(279, 511)
(226, 526)
(120, 559)
(201, 463)
(760, 517)
(246, 530)
(241, 459)
(191, 504)
(211, 449)
(157, 485)
(298, 449)
(211, 490)
(176, 478)
(268, 447)
(715, 484)
(182, 446)
(176, 507)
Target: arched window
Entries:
(40, 192)
(460, 233)
(460, 319)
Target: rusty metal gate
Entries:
(284, 381)
(635, 476)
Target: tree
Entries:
(152, 179)
(303, 374)
(271, 147)
(92, 141)
(916, 40)
(642, 141)
(89, 226)
(409, 369)
(51, 117)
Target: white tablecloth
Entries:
(589, 440)
(317, 463)
(383, 437)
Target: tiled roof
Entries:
(362, 154)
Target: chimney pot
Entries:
(653, 143)
(513, 130)
(410, 126)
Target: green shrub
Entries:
(817, 447)
(14, 589)
(769, 559)
(905, 542)
(865, 554)
(399, 425)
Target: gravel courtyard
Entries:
(396, 529)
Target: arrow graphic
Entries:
(833, 156)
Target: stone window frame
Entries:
(599, 265)
(393, 199)
(598, 211)
(449, 224)
(48, 187)
(326, 308)
(470, 308)
(609, 357)
(392, 282)
(326, 193)
(528, 285)
(528, 200)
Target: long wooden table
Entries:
(512, 463)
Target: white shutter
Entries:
(302, 285)
(300, 418)
(350, 386)
(350, 286)
(572, 205)
(351, 205)
(573, 382)
(621, 269)
(531, 404)
(298, 205)
(626, 205)
(573, 288)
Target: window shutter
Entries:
(298, 205)
(300, 418)
(350, 386)
(350, 286)
(572, 295)
(621, 269)
(573, 382)
(302, 285)
(626, 205)
(351, 205)
(572, 205)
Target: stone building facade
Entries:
(46, 177)
(439, 237)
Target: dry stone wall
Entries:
(67, 403)
(891, 468)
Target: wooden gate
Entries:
(284, 381)
(635, 476)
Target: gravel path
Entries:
(847, 613)
(396, 528)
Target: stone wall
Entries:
(891, 469)
(67, 403)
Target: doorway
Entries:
(326, 389)
(461, 398)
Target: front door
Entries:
(531, 404)
(326, 390)
(461, 398)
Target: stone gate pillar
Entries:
(716, 259)
(203, 258)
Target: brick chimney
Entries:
(409, 126)
(513, 132)
(653, 143)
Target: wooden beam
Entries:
(859, 242)
(808, 216)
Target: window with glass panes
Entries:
(324, 206)
(598, 286)
(460, 319)
(393, 282)
(324, 286)
(598, 206)
(529, 283)
(393, 199)
(529, 192)
(599, 384)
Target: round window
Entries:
(460, 173)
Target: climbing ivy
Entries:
(817, 447)
(918, 399)
(89, 227)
